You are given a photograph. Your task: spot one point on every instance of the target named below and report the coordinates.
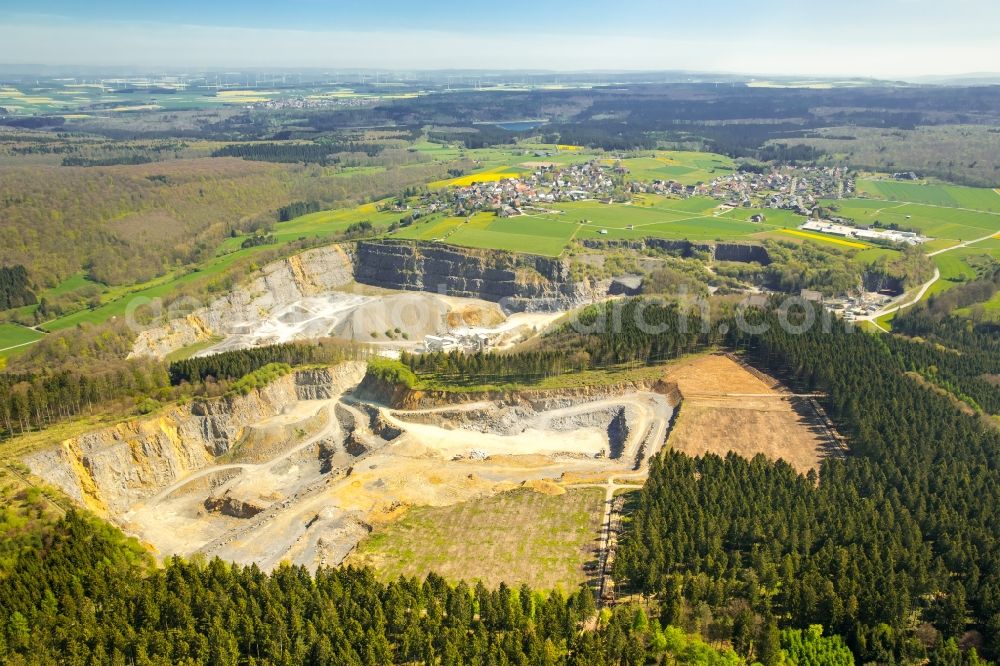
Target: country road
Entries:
(896, 307)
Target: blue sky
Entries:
(893, 38)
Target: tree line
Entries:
(297, 209)
(322, 153)
(33, 398)
(36, 401)
(83, 595)
(893, 547)
(15, 287)
(931, 470)
(241, 362)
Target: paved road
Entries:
(896, 307)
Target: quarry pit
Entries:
(304, 470)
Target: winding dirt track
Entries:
(312, 516)
(331, 429)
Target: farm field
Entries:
(71, 283)
(514, 242)
(871, 254)
(934, 221)
(535, 235)
(492, 539)
(726, 408)
(70, 99)
(957, 196)
(433, 228)
(687, 168)
(485, 176)
(692, 205)
(824, 238)
(549, 233)
(960, 265)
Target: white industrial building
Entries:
(889, 235)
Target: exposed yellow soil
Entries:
(714, 374)
(715, 417)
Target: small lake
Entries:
(517, 125)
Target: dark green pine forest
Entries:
(894, 547)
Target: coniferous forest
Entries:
(895, 547)
(84, 596)
(889, 554)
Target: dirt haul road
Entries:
(317, 495)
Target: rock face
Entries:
(234, 507)
(618, 432)
(280, 283)
(397, 396)
(628, 285)
(875, 280)
(745, 252)
(111, 469)
(518, 282)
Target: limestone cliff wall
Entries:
(518, 282)
(399, 397)
(745, 252)
(280, 283)
(110, 469)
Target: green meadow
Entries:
(956, 196)
(931, 209)
(14, 338)
(550, 232)
(116, 301)
(938, 222)
(687, 168)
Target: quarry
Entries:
(386, 293)
(327, 465)
(321, 460)
(302, 470)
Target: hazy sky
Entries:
(884, 38)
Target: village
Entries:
(546, 185)
(788, 188)
(798, 189)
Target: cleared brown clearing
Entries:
(726, 408)
(522, 536)
(715, 375)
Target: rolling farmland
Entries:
(486, 176)
(551, 231)
(956, 196)
(688, 168)
(939, 222)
